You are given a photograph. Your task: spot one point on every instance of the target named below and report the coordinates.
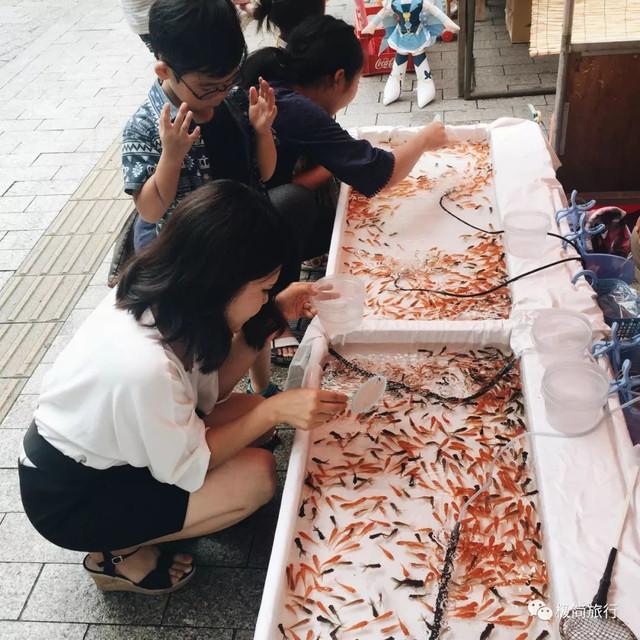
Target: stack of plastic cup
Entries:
(574, 394)
(339, 303)
(560, 334)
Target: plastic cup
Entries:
(339, 303)
(559, 334)
(525, 233)
(574, 394)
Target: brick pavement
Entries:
(71, 75)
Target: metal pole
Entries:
(559, 123)
(469, 60)
(462, 44)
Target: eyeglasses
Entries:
(221, 88)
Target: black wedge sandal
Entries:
(156, 582)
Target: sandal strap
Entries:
(109, 562)
(159, 578)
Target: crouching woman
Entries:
(138, 438)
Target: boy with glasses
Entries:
(194, 126)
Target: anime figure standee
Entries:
(411, 26)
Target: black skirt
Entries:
(85, 509)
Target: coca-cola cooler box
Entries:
(375, 63)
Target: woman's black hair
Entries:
(287, 14)
(219, 238)
(197, 35)
(316, 49)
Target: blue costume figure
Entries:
(411, 27)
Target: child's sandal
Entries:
(156, 582)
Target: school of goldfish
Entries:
(383, 490)
(379, 256)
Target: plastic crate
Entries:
(628, 328)
(606, 265)
(632, 413)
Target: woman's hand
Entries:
(262, 108)
(295, 301)
(307, 408)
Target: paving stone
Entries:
(243, 635)
(112, 157)
(85, 216)
(41, 631)
(73, 172)
(48, 203)
(102, 274)
(66, 593)
(519, 69)
(102, 184)
(484, 73)
(20, 542)
(93, 296)
(348, 122)
(65, 159)
(29, 173)
(42, 187)
(11, 259)
(56, 348)
(23, 159)
(227, 548)
(218, 597)
(26, 221)
(20, 240)
(264, 523)
(263, 540)
(16, 581)
(10, 389)
(62, 255)
(10, 442)
(127, 632)
(9, 492)
(416, 118)
(14, 204)
(40, 298)
(66, 124)
(74, 321)
(486, 115)
(283, 450)
(34, 384)
(20, 414)
(364, 109)
(500, 103)
(4, 276)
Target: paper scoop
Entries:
(368, 394)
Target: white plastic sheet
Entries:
(582, 481)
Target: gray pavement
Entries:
(71, 74)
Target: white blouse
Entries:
(116, 396)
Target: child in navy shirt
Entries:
(315, 76)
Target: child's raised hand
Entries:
(434, 135)
(175, 137)
(262, 107)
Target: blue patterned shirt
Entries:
(141, 149)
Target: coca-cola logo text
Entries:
(383, 63)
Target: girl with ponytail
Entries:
(284, 15)
(313, 77)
